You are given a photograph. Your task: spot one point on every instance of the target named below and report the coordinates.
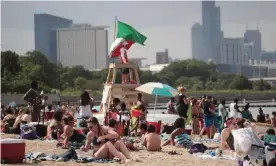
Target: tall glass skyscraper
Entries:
(211, 26)
(45, 34)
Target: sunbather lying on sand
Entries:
(152, 140)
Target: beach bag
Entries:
(197, 148)
(28, 132)
(184, 140)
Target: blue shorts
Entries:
(208, 121)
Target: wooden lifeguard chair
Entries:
(125, 92)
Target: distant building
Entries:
(156, 68)
(137, 61)
(255, 37)
(45, 37)
(271, 66)
(198, 46)
(268, 56)
(162, 57)
(234, 51)
(83, 45)
(211, 25)
(247, 71)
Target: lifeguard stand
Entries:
(125, 92)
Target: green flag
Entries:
(127, 32)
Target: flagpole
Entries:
(115, 32)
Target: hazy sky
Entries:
(166, 24)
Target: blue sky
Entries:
(167, 24)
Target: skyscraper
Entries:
(198, 51)
(45, 35)
(211, 28)
(255, 37)
(162, 57)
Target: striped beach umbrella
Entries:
(158, 89)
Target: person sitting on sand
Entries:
(180, 129)
(273, 119)
(227, 138)
(269, 137)
(152, 140)
(103, 148)
(55, 128)
(24, 117)
(8, 120)
(69, 133)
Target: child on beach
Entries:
(152, 140)
(125, 119)
(180, 129)
(113, 111)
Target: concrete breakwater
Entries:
(252, 97)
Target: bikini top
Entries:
(230, 141)
(95, 141)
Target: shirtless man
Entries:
(152, 140)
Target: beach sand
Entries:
(144, 157)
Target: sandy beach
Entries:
(144, 157)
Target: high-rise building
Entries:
(234, 51)
(162, 57)
(211, 28)
(198, 48)
(83, 45)
(268, 56)
(45, 38)
(256, 37)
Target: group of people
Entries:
(208, 116)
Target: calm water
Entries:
(168, 118)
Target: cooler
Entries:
(156, 124)
(12, 150)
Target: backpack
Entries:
(28, 132)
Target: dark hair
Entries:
(272, 162)
(141, 107)
(9, 110)
(112, 123)
(151, 129)
(179, 123)
(209, 97)
(139, 95)
(93, 121)
(27, 111)
(116, 101)
(67, 119)
(58, 115)
(236, 100)
(246, 106)
(85, 98)
(215, 102)
(123, 106)
(223, 101)
(172, 99)
(58, 103)
(2, 106)
(143, 126)
(270, 131)
(83, 123)
(194, 101)
(274, 113)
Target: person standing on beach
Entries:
(208, 117)
(182, 103)
(170, 106)
(261, 116)
(222, 113)
(234, 109)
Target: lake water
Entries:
(169, 118)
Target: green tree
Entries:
(79, 82)
(9, 63)
(240, 82)
(261, 85)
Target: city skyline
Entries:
(162, 31)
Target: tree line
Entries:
(17, 73)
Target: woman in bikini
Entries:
(69, 133)
(106, 143)
(195, 117)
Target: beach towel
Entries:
(183, 140)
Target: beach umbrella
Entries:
(157, 89)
